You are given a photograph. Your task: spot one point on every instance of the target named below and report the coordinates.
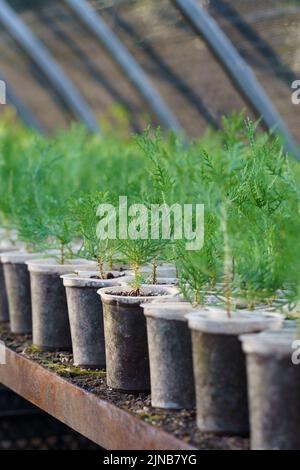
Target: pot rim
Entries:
(270, 343)
(79, 280)
(107, 294)
(168, 310)
(94, 272)
(163, 270)
(160, 264)
(18, 257)
(52, 266)
(214, 320)
(161, 281)
(10, 249)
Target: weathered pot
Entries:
(273, 389)
(167, 281)
(220, 367)
(117, 266)
(121, 267)
(164, 270)
(17, 282)
(289, 324)
(170, 355)
(50, 321)
(86, 318)
(160, 281)
(124, 275)
(4, 314)
(127, 359)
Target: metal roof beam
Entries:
(23, 111)
(133, 71)
(36, 50)
(237, 69)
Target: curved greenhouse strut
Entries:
(237, 69)
(22, 110)
(134, 72)
(35, 49)
(261, 46)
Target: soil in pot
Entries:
(127, 359)
(17, 282)
(273, 389)
(50, 321)
(220, 367)
(170, 355)
(116, 267)
(86, 317)
(92, 274)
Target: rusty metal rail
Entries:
(98, 420)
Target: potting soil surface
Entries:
(181, 424)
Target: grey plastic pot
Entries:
(164, 270)
(127, 359)
(86, 318)
(167, 281)
(161, 281)
(121, 267)
(220, 367)
(50, 321)
(4, 314)
(117, 266)
(17, 283)
(166, 274)
(273, 388)
(125, 275)
(170, 355)
(289, 324)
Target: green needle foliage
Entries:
(39, 201)
(50, 189)
(199, 270)
(84, 212)
(145, 250)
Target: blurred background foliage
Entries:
(265, 32)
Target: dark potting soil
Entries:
(109, 276)
(180, 423)
(134, 293)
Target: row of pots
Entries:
(242, 369)
(157, 341)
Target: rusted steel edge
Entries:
(98, 420)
